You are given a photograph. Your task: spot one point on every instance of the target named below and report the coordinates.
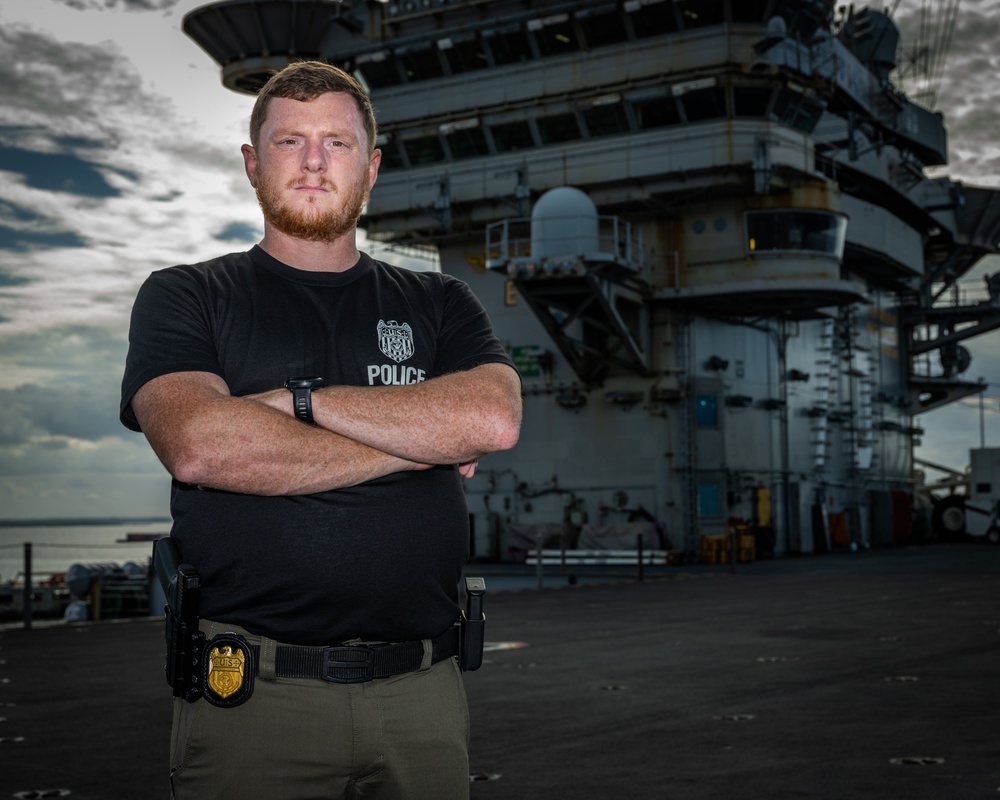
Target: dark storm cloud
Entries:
(64, 348)
(963, 77)
(74, 411)
(59, 94)
(239, 232)
(24, 241)
(58, 163)
(65, 111)
(14, 213)
(23, 230)
(128, 5)
(82, 402)
(6, 279)
(169, 197)
(41, 77)
(971, 60)
(56, 172)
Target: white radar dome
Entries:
(563, 222)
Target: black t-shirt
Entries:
(378, 561)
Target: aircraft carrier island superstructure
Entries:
(703, 228)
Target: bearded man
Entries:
(316, 491)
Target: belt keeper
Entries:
(425, 664)
(266, 663)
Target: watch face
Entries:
(303, 383)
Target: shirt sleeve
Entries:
(466, 337)
(170, 331)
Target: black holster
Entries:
(185, 642)
(472, 626)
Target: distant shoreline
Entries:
(56, 522)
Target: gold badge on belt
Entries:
(229, 670)
(225, 670)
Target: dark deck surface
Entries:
(871, 675)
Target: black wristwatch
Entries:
(301, 389)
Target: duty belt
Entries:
(359, 663)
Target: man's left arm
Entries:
(451, 419)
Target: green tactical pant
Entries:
(400, 738)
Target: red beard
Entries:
(321, 225)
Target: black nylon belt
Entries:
(359, 663)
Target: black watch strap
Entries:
(301, 389)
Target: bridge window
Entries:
(508, 45)
(751, 101)
(464, 55)
(554, 35)
(750, 10)
(424, 150)
(606, 117)
(422, 64)
(699, 14)
(468, 141)
(796, 231)
(651, 17)
(391, 157)
(509, 136)
(797, 110)
(656, 110)
(558, 128)
(602, 26)
(378, 70)
(702, 104)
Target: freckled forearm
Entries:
(238, 445)
(450, 419)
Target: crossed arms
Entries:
(254, 445)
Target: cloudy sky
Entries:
(119, 154)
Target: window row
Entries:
(796, 231)
(609, 24)
(609, 115)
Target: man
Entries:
(328, 514)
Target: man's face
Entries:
(312, 168)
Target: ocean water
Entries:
(54, 549)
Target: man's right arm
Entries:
(206, 437)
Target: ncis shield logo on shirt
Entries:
(395, 340)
